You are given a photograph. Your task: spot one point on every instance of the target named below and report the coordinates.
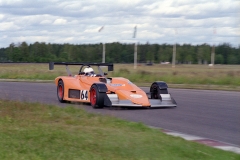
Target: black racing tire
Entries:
(155, 91)
(60, 91)
(96, 98)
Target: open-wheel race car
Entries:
(100, 91)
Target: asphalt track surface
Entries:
(205, 113)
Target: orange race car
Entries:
(101, 91)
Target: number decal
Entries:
(84, 95)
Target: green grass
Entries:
(40, 132)
(181, 74)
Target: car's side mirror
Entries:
(105, 74)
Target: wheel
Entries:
(155, 91)
(96, 98)
(60, 91)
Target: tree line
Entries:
(119, 53)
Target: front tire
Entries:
(60, 91)
(155, 93)
(96, 98)
(158, 88)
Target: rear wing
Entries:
(109, 65)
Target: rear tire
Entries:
(60, 91)
(96, 98)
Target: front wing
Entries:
(166, 101)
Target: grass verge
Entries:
(219, 77)
(37, 131)
(181, 74)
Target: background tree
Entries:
(119, 53)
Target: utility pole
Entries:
(135, 56)
(213, 55)
(174, 51)
(213, 49)
(103, 55)
(174, 55)
(135, 48)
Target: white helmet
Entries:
(88, 71)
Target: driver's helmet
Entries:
(89, 71)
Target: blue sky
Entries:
(157, 21)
